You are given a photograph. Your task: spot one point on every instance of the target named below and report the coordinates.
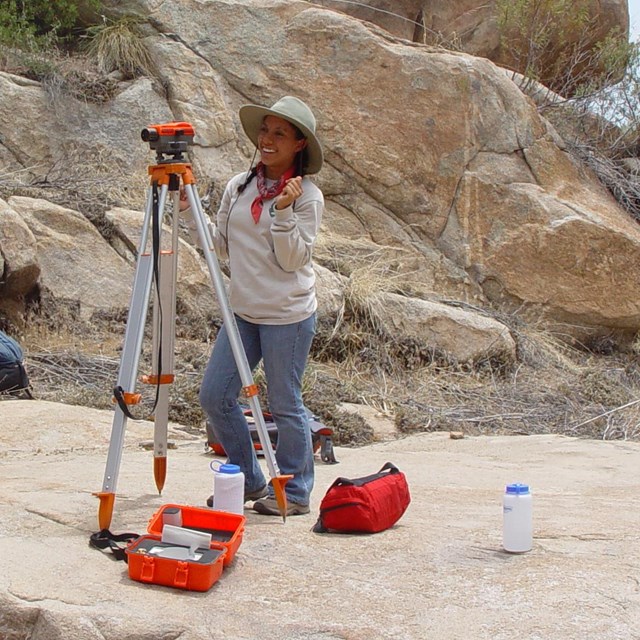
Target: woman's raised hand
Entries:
(184, 202)
(292, 191)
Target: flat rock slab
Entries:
(439, 573)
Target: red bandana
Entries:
(267, 193)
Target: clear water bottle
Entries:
(517, 523)
(228, 488)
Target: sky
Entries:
(634, 20)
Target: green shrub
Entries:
(32, 24)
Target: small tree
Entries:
(557, 43)
(602, 127)
(594, 85)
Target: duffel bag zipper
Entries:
(340, 506)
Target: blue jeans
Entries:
(284, 350)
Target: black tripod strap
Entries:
(155, 233)
(156, 222)
(118, 394)
(114, 542)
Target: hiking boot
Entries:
(269, 507)
(252, 495)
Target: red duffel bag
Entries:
(364, 505)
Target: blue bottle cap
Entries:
(517, 488)
(229, 468)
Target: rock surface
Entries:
(439, 573)
(434, 158)
(76, 264)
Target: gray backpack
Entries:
(13, 376)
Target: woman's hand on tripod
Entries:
(184, 201)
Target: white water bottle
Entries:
(228, 488)
(517, 519)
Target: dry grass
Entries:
(554, 388)
(77, 363)
(364, 290)
(88, 181)
(78, 78)
(62, 76)
(118, 45)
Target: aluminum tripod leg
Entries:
(278, 481)
(164, 325)
(129, 362)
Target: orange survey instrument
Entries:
(159, 266)
(169, 139)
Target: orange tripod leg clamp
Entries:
(129, 398)
(165, 378)
(251, 390)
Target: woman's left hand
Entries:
(292, 191)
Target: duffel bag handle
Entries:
(389, 466)
(356, 482)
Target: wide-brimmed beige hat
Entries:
(294, 111)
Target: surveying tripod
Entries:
(170, 141)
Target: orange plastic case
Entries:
(193, 575)
(226, 530)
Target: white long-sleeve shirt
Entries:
(272, 277)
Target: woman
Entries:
(266, 227)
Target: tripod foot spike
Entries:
(160, 472)
(105, 510)
(281, 497)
